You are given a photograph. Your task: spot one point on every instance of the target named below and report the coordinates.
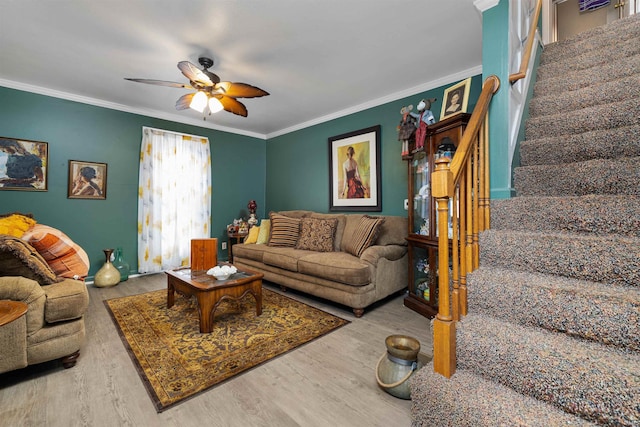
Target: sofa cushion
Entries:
(351, 223)
(286, 258)
(342, 220)
(64, 256)
(66, 300)
(317, 234)
(284, 230)
(253, 235)
(296, 213)
(364, 235)
(19, 258)
(265, 232)
(336, 266)
(254, 252)
(393, 231)
(15, 224)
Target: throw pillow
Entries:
(253, 235)
(16, 224)
(265, 228)
(364, 235)
(317, 234)
(64, 256)
(284, 230)
(18, 258)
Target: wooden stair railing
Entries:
(465, 181)
(526, 56)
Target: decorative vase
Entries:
(121, 265)
(108, 275)
(252, 220)
(396, 366)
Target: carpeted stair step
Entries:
(597, 144)
(595, 39)
(607, 314)
(593, 214)
(599, 117)
(588, 379)
(468, 400)
(605, 176)
(605, 259)
(584, 61)
(597, 94)
(620, 68)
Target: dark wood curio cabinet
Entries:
(423, 238)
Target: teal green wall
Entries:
(286, 172)
(298, 162)
(76, 131)
(495, 61)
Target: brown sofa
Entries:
(337, 274)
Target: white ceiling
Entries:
(319, 59)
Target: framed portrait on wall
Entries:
(455, 99)
(354, 171)
(23, 164)
(87, 180)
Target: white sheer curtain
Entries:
(174, 198)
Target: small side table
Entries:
(11, 310)
(231, 237)
(13, 330)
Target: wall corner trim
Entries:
(483, 5)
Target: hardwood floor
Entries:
(327, 382)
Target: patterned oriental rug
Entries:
(175, 361)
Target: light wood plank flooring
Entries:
(327, 382)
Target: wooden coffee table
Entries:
(210, 292)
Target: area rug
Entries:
(175, 361)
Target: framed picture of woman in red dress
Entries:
(354, 171)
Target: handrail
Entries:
(465, 181)
(524, 65)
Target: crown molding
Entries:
(125, 108)
(379, 101)
(203, 124)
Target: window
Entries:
(174, 198)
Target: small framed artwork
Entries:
(23, 164)
(87, 180)
(455, 99)
(354, 171)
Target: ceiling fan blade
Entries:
(184, 101)
(194, 74)
(240, 90)
(161, 83)
(233, 106)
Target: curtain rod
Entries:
(175, 133)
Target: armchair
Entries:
(53, 325)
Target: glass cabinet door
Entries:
(420, 174)
(423, 274)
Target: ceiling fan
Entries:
(210, 93)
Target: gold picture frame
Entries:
(455, 99)
(87, 180)
(24, 164)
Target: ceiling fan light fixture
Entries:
(215, 105)
(199, 101)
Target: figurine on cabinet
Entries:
(406, 128)
(424, 118)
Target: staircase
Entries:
(553, 332)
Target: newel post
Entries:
(444, 328)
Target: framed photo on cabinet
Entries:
(354, 171)
(455, 99)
